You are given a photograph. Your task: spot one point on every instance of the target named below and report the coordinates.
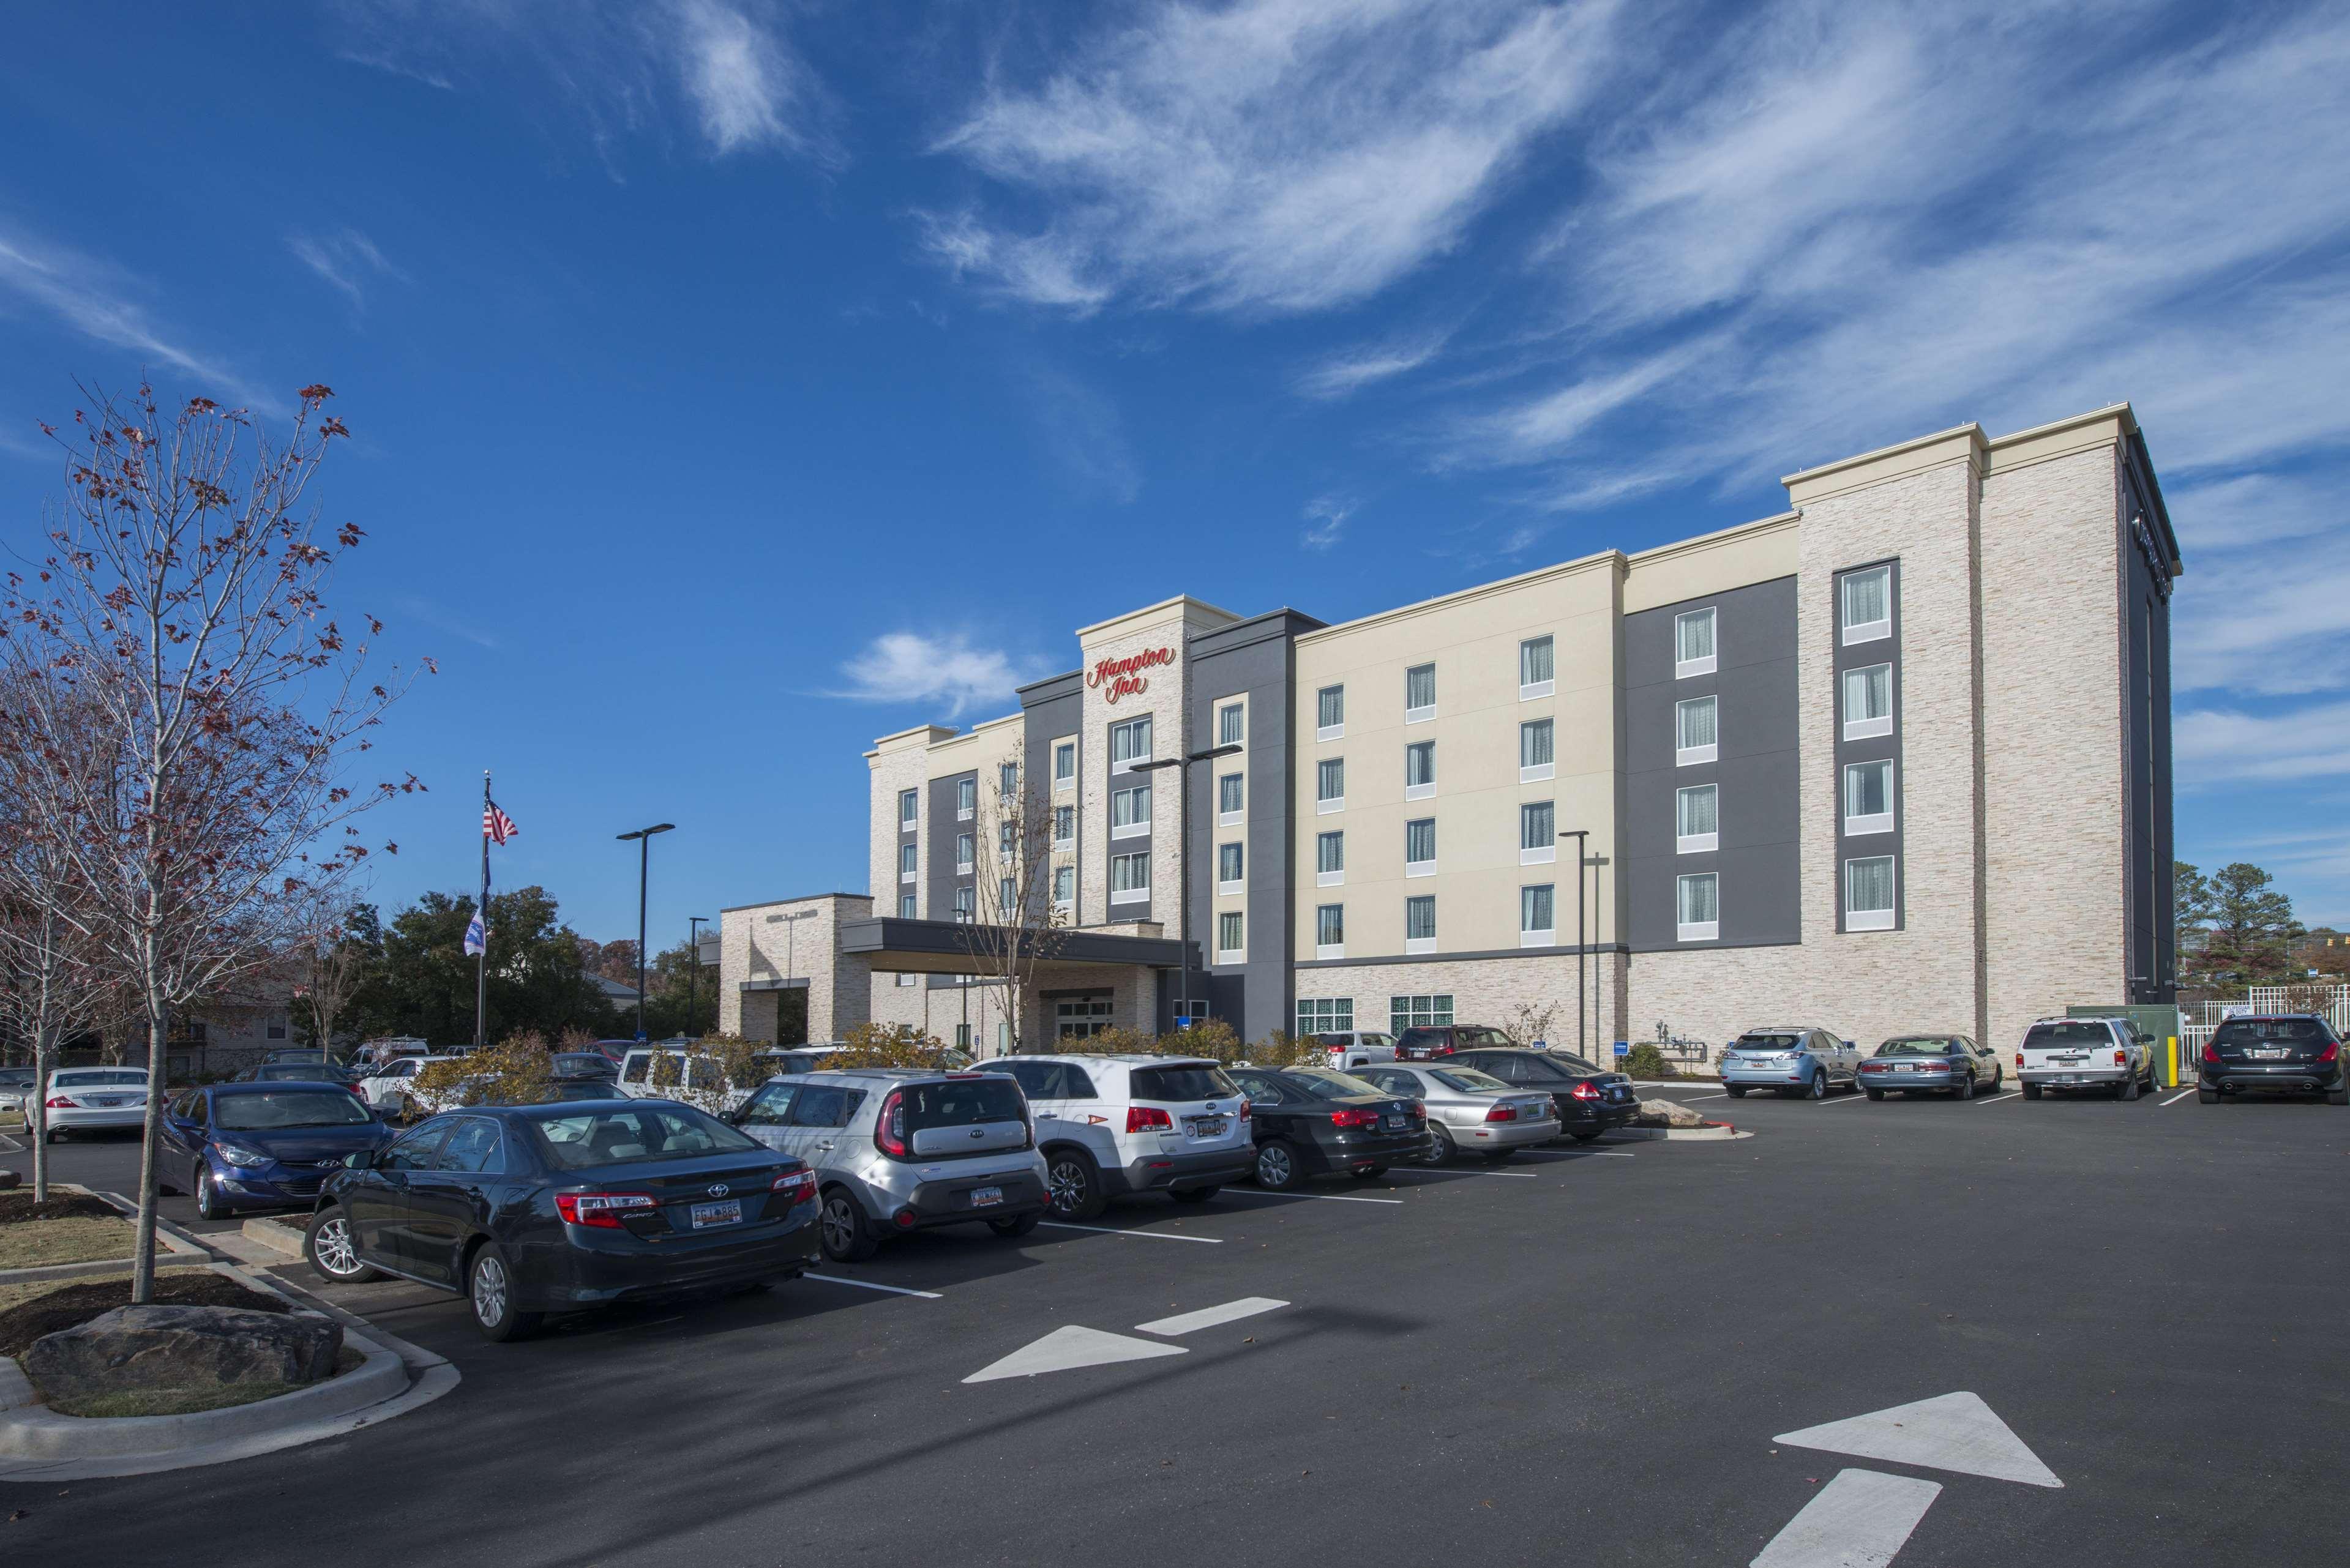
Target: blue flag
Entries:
(477, 936)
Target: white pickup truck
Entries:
(2103, 1053)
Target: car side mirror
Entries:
(363, 1160)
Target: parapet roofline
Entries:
(1184, 601)
(798, 898)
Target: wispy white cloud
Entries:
(92, 296)
(1351, 369)
(346, 259)
(2214, 746)
(1081, 434)
(949, 673)
(1326, 519)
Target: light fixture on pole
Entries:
(1580, 835)
(1183, 863)
(693, 924)
(644, 837)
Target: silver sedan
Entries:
(94, 1097)
(1467, 1109)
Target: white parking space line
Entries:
(1208, 1317)
(869, 1285)
(1576, 1154)
(1119, 1230)
(1722, 1094)
(2178, 1096)
(9, 1145)
(1848, 1100)
(1996, 1098)
(1318, 1197)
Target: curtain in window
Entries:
(1228, 931)
(1697, 810)
(1065, 884)
(1867, 596)
(1419, 839)
(1698, 899)
(1130, 806)
(906, 806)
(1330, 852)
(1419, 763)
(1696, 718)
(966, 794)
(963, 848)
(1330, 779)
(1330, 925)
(1228, 863)
(1693, 636)
(1537, 826)
(1064, 760)
(1064, 823)
(1420, 687)
(1129, 873)
(1869, 790)
(905, 858)
(1331, 706)
(1228, 793)
(1534, 661)
(1536, 909)
(1534, 743)
(1004, 899)
(1419, 919)
(1228, 725)
(1130, 742)
(1868, 885)
(1868, 693)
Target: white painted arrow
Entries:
(1949, 1432)
(1069, 1347)
(1859, 1519)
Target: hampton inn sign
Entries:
(1117, 678)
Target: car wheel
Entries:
(209, 1205)
(333, 1250)
(1441, 1149)
(1965, 1091)
(1276, 1165)
(1072, 1184)
(1019, 1226)
(2204, 1094)
(1997, 1079)
(2127, 1091)
(1873, 1094)
(56, 1135)
(848, 1239)
(1819, 1085)
(490, 1285)
(1736, 1091)
(1193, 1194)
(2030, 1091)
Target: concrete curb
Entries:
(276, 1235)
(177, 1250)
(1715, 1132)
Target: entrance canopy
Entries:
(949, 947)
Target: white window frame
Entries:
(1541, 854)
(1065, 814)
(1870, 920)
(1696, 843)
(1691, 756)
(966, 789)
(1534, 773)
(1530, 690)
(1141, 895)
(1139, 827)
(910, 863)
(1234, 886)
(1223, 953)
(1059, 903)
(1685, 668)
(1866, 727)
(1128, 726)
(1065, 749)
(1420, 791)
(966, 853)
(1537, 935)
(1231, 818)
(1425, 710)
(1330, 879)
(1239, 730)
(906, 905)
(1876, 821)
(1330, 731)
(1325, 805)
(909, 807)
(1870, 630)
(1323, 949)
(1426, 944)
(1418, 867)
(966, 906)
(1696, 931)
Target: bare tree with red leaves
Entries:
(178, 623)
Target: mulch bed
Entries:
(69, 1305)
(18, 1208)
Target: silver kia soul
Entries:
(900, 1150)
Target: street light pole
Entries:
(1183, 861)
(693, 924)
(1598, 971)
(644, 837)
(1579, 834)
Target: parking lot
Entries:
(1587, 1353)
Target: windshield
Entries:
(1200, 1082)
(89, 1078)
(2058, 1036)
(2269, 1031)
(1923, 1046)
(1470, 1080)
(640, 1133)
(582, 1062)
(1769, 1042)
(287, 1108)
(1323, 1080)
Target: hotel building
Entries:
(1896, 758)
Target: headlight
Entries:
(240, 1156)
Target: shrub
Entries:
(514, 1071)
(1646, 1061)
(1214, 1038)
(1282, 1049)
(886, 1045)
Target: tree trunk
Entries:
(36, 1115)
(143, 1265)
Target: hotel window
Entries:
(1130, 744)
(964, 899)
(1004, 839)
(1869, 894)
(1696, 819)
(1418, 693)
(1228, 867)
(1868, 797)
(1228, 934)
(905, 906)
(1535, 670)
(1419, 770)
(1693, 643)
(1229, 721)
(908, 806)
(1330, 784)
(1868, 703)
(1695, 731)
(1326, 1015)
(1129, 879)
(1420, 925)
(1129, 812)
(907, 862)
(1330, 860)
(1420, 847)
(1537, 916)
(1330, 931)
(1865, 604)
(1330, 714)
(1064, 763)
(1419, 1012)
(1228, 800)
(966, 798)
(1065, 885)
(1007, 780)
(1077, 1018)
(962, 852)
(1006, 900)
(1534, 753)
(1065, 826)
(1537, 833)
(1697, 908)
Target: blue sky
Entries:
(735, 382)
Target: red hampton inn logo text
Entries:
(1117, 678)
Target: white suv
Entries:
(1113, 1124)
(2103, 1053)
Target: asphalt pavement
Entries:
(1588, 1356)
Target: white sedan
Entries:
(393, 1092)
(85, 1099)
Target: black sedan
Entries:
(2291, 1053)
(529, 1210)
(1311, 1121)
(1589, 1098)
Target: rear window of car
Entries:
(1922, 1046)
(1199, 1082)
(1473, 1039)
(1769, 1042)
(2047, 1036)
(92, 1077)
(287, 1108)
(1322, 1081)
(962, 1102)
(1470, 1081)
(2269, 1031)
(637, 1069)
(588, 1139)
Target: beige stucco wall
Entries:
(898, 763)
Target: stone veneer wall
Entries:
(1164, 699)
(750, 948)
(1484, 991)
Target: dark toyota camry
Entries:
(1311, 1121)
(531, 1209)
(1590, 1099)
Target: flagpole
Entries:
(482, 909)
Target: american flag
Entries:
(496, 826)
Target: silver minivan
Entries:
(901, 1149)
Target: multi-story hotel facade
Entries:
(1897, 758)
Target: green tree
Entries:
(667, 981)
(2250, 928)
(423, 986)
(2190, 902)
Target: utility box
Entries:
(2161, 1024)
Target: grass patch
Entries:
(189, 1401)
(71, 1239)
(30, 1311)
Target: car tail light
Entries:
(2211, 1053)
(1418, 1110)
(2019, 1061)
(1354, 1118)
(890, 1126)
(1147, 1119)
(2333, 1049)
(1246, 1111)
(602, 1209)
(2121, 1057)
(1585, 1090)
(795, 1186)
(60, 1103)
(1501, 1114)
(1872, 1066)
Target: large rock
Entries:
(8, 1179)
(148, 1347)
(1666, 1114)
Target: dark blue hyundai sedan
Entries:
(263, 1144)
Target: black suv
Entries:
(1428, 1043)
(1589, 1098)
(2274, 1050)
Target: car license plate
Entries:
(2277, 1055)
(1395, 1122)
(110, 1101)
(1205, 1127)
(706, 1215)
(986, 1197)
